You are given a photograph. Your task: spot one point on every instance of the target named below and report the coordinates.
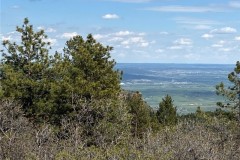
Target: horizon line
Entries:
(175, 63)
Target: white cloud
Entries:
(237, 38)
(123, 33)
(164, 33)
(98, 36)
(48, 30)
(40, 28)
(217, 45)
(7, 38)
(175, 47)
(202, 27)
(68, 35)
(60, 49)
(115, 39)
(121, 55)
(234, 4)
(12, 33)
(110, 16)
(191, 56)
(225, 49)
(139, 51)
(207, 36)
(195, 21)
(127, 42)
(225, 30)
(153, 42)
(159, 50)
(183, 41)
(193, 9)
(139, 41)
(125, 39)
(222, 42)
(144, 44)
(142, 34)
(11, 36)
(136, 39)
(225, 46)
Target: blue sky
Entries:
(149, 31)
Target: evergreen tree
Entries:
(232, 93)
(50, 88)
(84, 75)
(92, 70)
(25, 69)
(140, 111)
(167, 113)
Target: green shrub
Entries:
(167, 113)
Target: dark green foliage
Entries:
(154, 121)
(25, 70)
(167, 113)
(204, 116)
(91, 68)
(49, 88)
(232, 93)
(141, 120)
(85, 74)
(222, 114)
(199, 115)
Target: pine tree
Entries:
(25, 68)
(50, 88)
(91, 68)
(232, 93)
(140, 111)
(167, 113)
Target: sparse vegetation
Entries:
(215, 137)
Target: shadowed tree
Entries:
(141, 112)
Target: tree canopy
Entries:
(50, 86)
